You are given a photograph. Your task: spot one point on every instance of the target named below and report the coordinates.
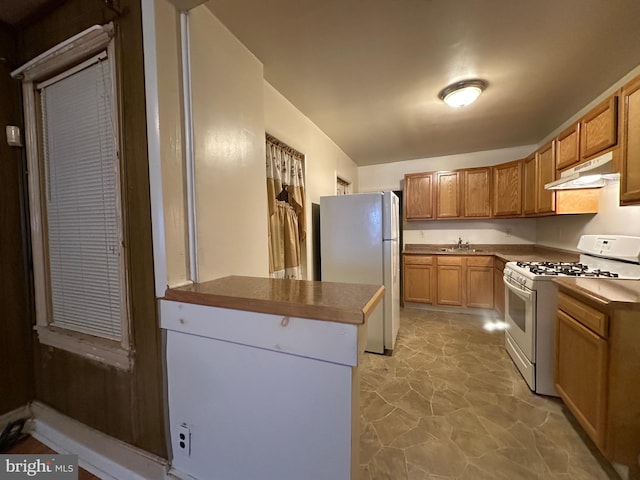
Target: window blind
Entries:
(82, 200)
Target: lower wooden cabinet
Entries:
(449, 280)
(498, 286)
(597, 369)
(479, 282)
(419, 275)
(581, 374)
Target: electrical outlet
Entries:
(184, 439)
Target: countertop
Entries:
(507, 253)
(329, 301)
(603, 291)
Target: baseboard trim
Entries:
(103, 456)
(444, 308)
(13, 415)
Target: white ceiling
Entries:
(368, 72)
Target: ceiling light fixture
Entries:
(462, 93)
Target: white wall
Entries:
(229, 148)
(390, 176)
(564, 231)
(323, 158)
(228, 119)
(500, 231)
(232, 108)
(170, 134)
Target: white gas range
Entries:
(530, 300)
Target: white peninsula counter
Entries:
(262, 377)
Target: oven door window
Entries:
(520, 312)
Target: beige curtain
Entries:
(286, 216)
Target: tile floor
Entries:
(450, 404)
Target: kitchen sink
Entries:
(461, 250)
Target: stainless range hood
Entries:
(595, 173)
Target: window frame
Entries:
(66, 59)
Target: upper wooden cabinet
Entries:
(507, 189)
(546, 172)
(568, 147)
(442, 195)
(418, 196)
(448, 194)
(529, 185)
(538, 170)
(599, 128)
(630, 142)
(476, 192)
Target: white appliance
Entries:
(594, 173)
(531, 298)
(359, 244)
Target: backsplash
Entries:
(564, 231)
(502, 231)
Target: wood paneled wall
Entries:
(126, 405)
(16, 384)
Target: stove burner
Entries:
(572, 269)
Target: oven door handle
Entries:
(525, 294)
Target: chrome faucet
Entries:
(461, 245)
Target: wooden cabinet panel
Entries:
(418, 260)
(529, 189)
(599, 128)
(590, 317)
(596, 376)
(447, 194)
(480, 261)
(450, 281)
(507, 189)
(419, 283)
(477, 192)
(450, 260)
(581, 374)
(498, 288)
(546, 172)
(630, 140)
(480, 286)
(418, 196)
(568, 147)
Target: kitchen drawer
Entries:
(591, 318)
(480, 261)
(449, 260)
(418, 260)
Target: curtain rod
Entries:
(273, 140)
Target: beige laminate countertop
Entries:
(329, 301)
(603, 291)
(508, 253)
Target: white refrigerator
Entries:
(359, 244)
